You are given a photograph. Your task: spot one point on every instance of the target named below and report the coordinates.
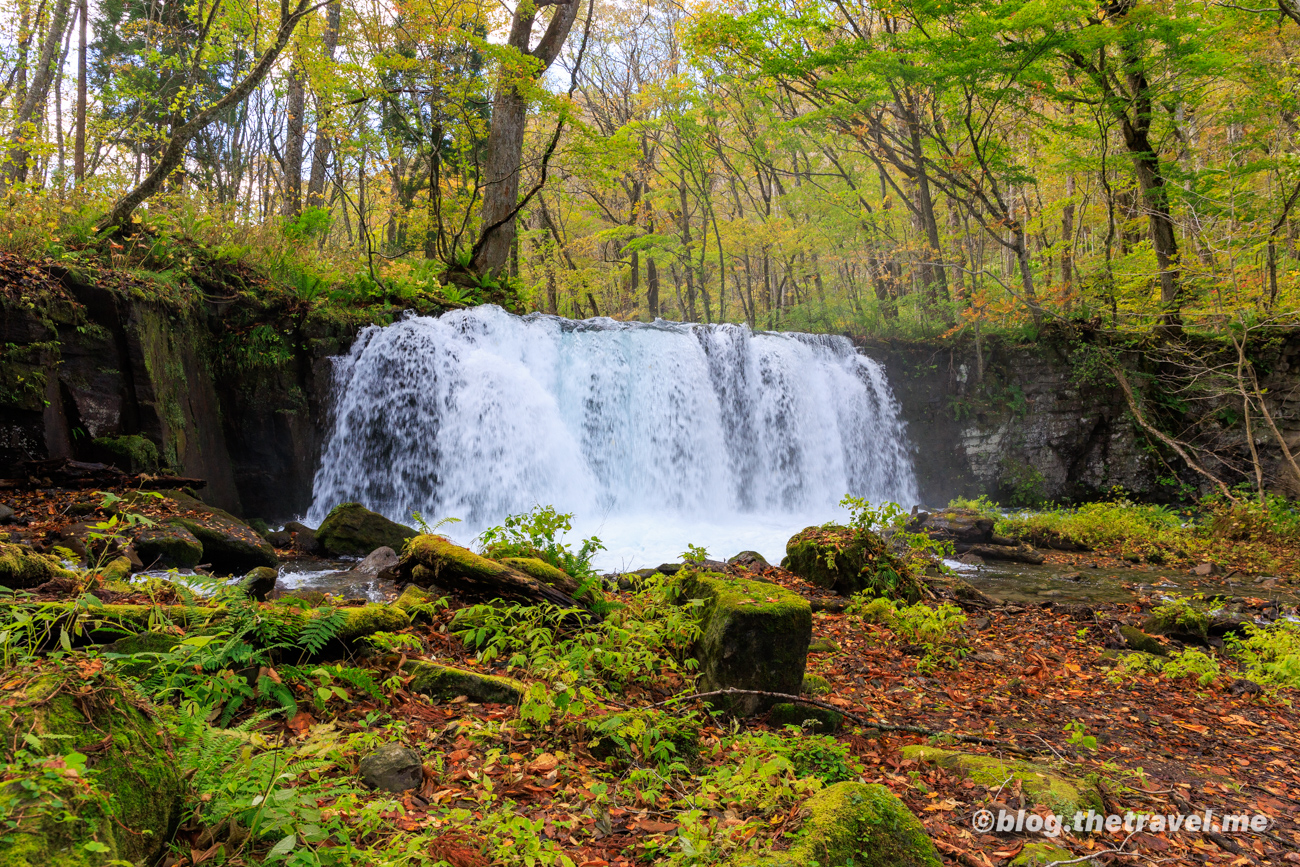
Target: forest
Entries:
(908, 168)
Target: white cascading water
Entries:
(654, 436)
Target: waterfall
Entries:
(653, 435)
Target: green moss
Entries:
(169, 547)
(1040, 784)
(417, 602)
(118, 570)
(792, 714)
(351, 528)
(849, 561)
(753, 636)
(544, 572)
(855, 825)
(815, 684)
(1141, 642)
(133, 453)
(824, 645)
(446, 683)
(369, 619)
(1041, 854)
(22, 568)
(136, 789)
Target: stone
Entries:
(137, 792)
(6, 514)
(970, 559)
(750, 560)
(1040, 855)
(377, 561)
(132, 453)
(230, 546)
(1038, 783)
(23, 569)
(858, 824)
(849, 561)
(952, 525)
(259, 583)
(430, 559)
(392, 768)
(807, 716)
(418, 603)
(304, 538)
(1136, 639)
(753, 636)
(280, 539)
(117, 570)
(351, 528)
(445, 683)
(815, 684)
(824, 645)
(1205, 569)
(168, 547)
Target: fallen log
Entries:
(66, 473)
(430, 559)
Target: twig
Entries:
(862, 721)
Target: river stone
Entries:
(260, 583)
(750, 560)
(138, 788)
(377, 561)
(953, 525)
(351, 528)
(849, 561)
(230, 546)
(392, 768)
(304, 538)
(22, 568)
(168, 547)
(753, 636)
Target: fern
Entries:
(318, 631)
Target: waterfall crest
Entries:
(639, 429)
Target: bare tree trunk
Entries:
(79, 149)
(320, 156)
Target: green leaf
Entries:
(284, 847)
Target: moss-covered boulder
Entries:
(168, 547)
(544, 572)
(445, 683)
(849, 560)
(754, 636)
(132, 454)
(816, 718)
(855, 825)
(1138, 640)
(815, 684)
(419, 604)
(124, 804)
(22, 568)
(369, 619)
(260, 583)
(1040, 855)
(230, 546)
(429, 559)
(1038, 783)
(116, 570)
(352, 529)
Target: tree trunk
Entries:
(320, 156)
(79, 148)
(505, 142)
(36, 94)
(295, 104)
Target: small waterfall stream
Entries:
(653, 435)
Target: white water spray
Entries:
(654, 436)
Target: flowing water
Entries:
(654, 436)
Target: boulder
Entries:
(132, 453)
(392, 768)
(749, 560)
(445, 683)
(952, 525)
(753, 636)
(260, 583)
(1136, 639)
(304, 538)
(377, 562)
(169, 547)
(7, 515)
(280, 539)
(430, 559)
(230, 546)
(22, 568)
(132, 802)
(351, 528)
(805, 716)
(544, 572)
(849, 561)
(815, 684)
(1006, 553)
(1038, 783)
(859, 824)
(117, 570)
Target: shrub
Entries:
(1270, 654)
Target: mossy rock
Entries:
(855, 825)
(753, 636)
(1138, 640)
(1039, 783)
(132, 453)
(369, 619)
(22, 568)
(134, 796)
(1041, 854)
(260, 583)
(849, 561)
(169, 547)
(445, 683)
(230, 546)
(544, 572)
(815, 684)
(352, 529)
(793, 714)
(116, 571)
(418, 603)
(824, 645)
(430, 559)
